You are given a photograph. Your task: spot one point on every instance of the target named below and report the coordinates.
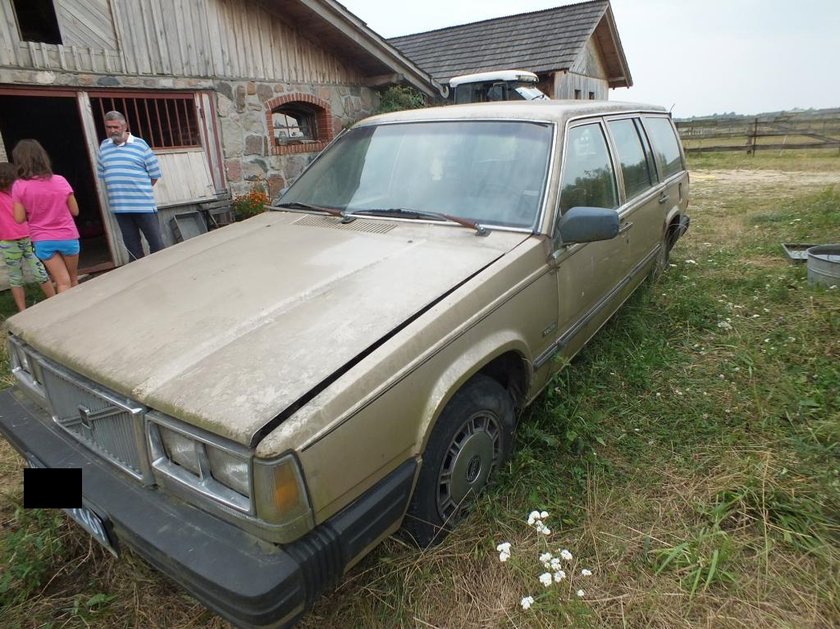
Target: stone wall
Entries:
(243, 131)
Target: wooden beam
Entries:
(383, 79)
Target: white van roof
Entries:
(495, 75)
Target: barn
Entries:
(575, 49)
(229, 93)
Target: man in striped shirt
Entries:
(129, 169)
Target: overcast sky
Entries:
(699, 56)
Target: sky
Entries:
(698, 57)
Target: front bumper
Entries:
(246, 580)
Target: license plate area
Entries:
(85, 517)
(93, 524)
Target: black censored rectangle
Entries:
(52, 488)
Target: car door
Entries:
(642, 212)
(672, 191)
(588, 274)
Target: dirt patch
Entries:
(761, 183)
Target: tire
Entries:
(472, 438)
(663, 258)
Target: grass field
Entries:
(688, 458)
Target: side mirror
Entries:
(586, 224)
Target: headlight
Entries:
(181, 450)
(272, 490)
(229, 470)
(208, 465)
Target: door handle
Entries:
(624, 227)
(663, 198)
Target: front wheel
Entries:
(472, 437)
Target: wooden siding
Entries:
(567, 83)
(590, 62)
(230, 39)
(87, 23)
(186, 177)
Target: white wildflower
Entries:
(533, 517)
(691, 262)
(555, 564)
(546, 557)
(543, 515)
(581, 593)
(724, 325)
(559, 576)
(545, 578)
(527, 602)
(586, 572)
(565, 554)
(504, 551)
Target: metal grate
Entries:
(358, 225)
(99, 420)
(164, 121)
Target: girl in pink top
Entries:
(15, 245)
(47, 202)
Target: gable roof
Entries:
(332, 26)
(541, 41)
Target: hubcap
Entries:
(472, 455)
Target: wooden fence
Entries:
(776, 131)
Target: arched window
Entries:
(298, 123)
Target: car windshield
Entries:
(491, 172)
(529, 92)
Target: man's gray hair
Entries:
(114, 115)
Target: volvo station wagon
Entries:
(253, 410)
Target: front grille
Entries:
(110, 426)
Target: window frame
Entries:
(660, 167)
(650, 163)
(321, 121)
(47, 29)
(570, 126)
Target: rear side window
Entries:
(635, 167)
(666, 147)
(588, 175)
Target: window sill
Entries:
(308, 147)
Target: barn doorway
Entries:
(55, 121)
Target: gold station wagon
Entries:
(255, 409)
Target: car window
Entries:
(666, 147)
(493, 172)
(635, 168)
(588, 175)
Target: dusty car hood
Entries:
(229, 329)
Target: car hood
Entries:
(228, 330)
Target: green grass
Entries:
(826, 160)
(688, 457)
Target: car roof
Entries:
(497, 75)
(542, 110)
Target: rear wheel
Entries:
(663, 258)
(472, 437)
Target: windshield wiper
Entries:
(297, 205)
(398, 212)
